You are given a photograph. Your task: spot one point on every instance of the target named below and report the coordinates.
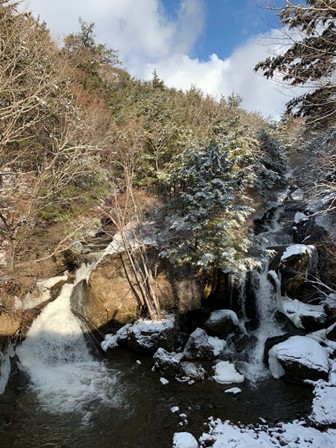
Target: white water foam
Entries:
(266, 303)
(63, 372)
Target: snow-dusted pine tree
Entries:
(209, 223)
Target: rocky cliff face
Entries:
(109, 294)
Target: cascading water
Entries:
(63, 373)
(267, 298)
(266, 306)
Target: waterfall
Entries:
(267, 301)
(266, 285)
(63, 373)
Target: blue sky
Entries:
(210, 44)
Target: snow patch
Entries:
(184, 440)
(293, 435)
(225, 373)
(294, 310)
(298, 249)
(233, 390)
(324, 404)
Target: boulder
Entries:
(221, 323)
(147, 336)
(9, 324)
(331, 332)
(271, 342)
(199, 346)
(299, 358)
(297, 262)
(168, 364)
(191, 373)
(303, 315)
(111, 296)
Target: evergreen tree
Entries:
(311, 59)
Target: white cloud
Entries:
(146, 39)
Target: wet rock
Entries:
(147, 336)
(221, 323)
(191, 373)
(199, 346)
(313, 323)
(241, 342)
(297, 262)
(168, 364)
(271, 342)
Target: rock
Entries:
(198, 346)
(309, 317)
(271, 342)
(168, 364)
(329, 306)
(324, 405)
(117, 339)
(297, 262)
(191, 373)
(331, 332)
(314, 322)
(147, 336)
(299, 358)
(9, 324)
(221, 322)
(111, 295)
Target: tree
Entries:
(212, 210)
(311, 59)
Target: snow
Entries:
(217, 344)
(174, 409)
(184, 440)
(144, 329)
(294, 310)
(293, 435)
(164, 381)
(218, 315)
(300, 217)
(324, 404)
(297, 195)
(225, 373)
(233, 390)
(297, 249)
(113, 340)
(301, 349)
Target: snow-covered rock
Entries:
(147, 336)
(299, 358)
(184, 440)
(191, 373)
(221, 322)
(167, 363)
(291, 435)
(200, 346)
(303, 315)
(296, 263)
(226, 373)
(324, 404)
(115, 340)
